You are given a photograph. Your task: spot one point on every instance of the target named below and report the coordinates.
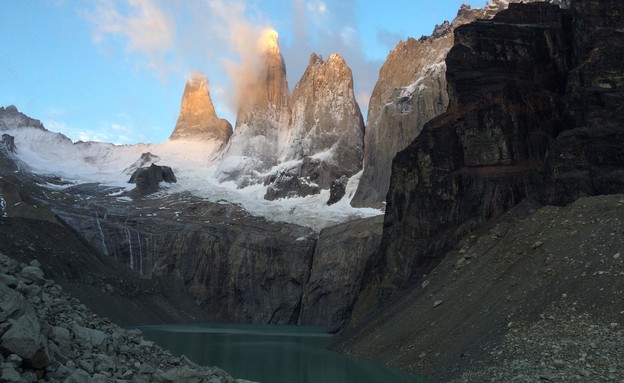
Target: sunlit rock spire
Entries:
(263, 116)
(198, 120)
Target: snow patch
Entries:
(3, 208)
(194, 164)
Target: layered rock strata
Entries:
(509, 133)
(410, 91)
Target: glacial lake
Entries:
(271, 354)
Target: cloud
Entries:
(145, 26)
(388, 39)
(106, 132)
(332, 29)
(222, 35)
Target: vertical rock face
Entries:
(520, 123)
(411, 90)
(342, 253)
(326, 135)
(263, 115)
(198, 119)
(326, 118)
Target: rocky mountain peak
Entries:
(268, 42)
(265, 90)
(326, 137)
(198, 119)
(10, 117)
(263, 116)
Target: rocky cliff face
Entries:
(342, 254)
(326, 133)
(262, 120)
(410, 91)
(198, 120)
(11, 118)
(511, 131)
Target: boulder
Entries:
(24, 339)
(89, 336)
(148, 179)
(337, 189)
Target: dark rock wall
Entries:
(238, 268)
(341, 256)
(520, 123)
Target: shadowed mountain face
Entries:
(535, 111)
(198, 120)
(410, 91)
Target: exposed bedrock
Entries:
(533, 112)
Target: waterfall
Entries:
(101, 234)
(140, 253)
(127, 230)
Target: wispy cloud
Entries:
(145, 26)
(171, 35)
(106, 132)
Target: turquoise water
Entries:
(271, 354)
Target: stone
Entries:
(558, 363)
(61, 336)
(78, 376)
(9, 374)
(179, 375)
(91, 336)
(24, 339)
(104, 362)
(337, 190)
(12, 303)
(148, 179)
(109, 288)
(33, 274)
(15, 360)
(146, 368)
(288, 185)
(9, 280)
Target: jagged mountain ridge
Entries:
(304, 140)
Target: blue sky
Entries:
(114, 71)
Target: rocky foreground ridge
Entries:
(48, 336)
